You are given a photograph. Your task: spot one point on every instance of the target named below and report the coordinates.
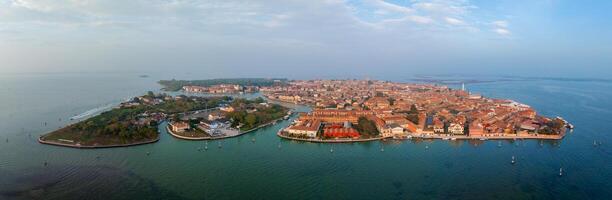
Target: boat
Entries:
(513, 161)
(560, 171)
(453, 138)
(483, 139)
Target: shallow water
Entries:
(241, 169)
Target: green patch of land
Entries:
(250, 114)
(175, 85)
(133, 122)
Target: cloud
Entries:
(216, 32)
(502, 31)
(420, 19)
(501, 23)
(454, 21)
(501, 27)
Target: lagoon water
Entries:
(243, 169)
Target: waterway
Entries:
(273, 168)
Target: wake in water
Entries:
(91, 112)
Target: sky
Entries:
(308, 38)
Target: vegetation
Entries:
(250, 114)
(131, 124)
(366, 127)
(412, 114)
(552, 127)
(175, 85)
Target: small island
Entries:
(228, 120)
(133, 122)
(221, 86)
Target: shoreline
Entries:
(418, 136)
(279, 134)
(497, 137)
(421, 136)
(222, 137)
(40, 140)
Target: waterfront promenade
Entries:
(315, 140)
(488, 137)
(429, 136)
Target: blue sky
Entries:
(309, 39)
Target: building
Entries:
(227, 109)
(377, 103)
(179, 127)
(455, 128)
(476, 129)
(438, 126)
(339, 131)
(214, 116)
(396, 129)
(308, 128)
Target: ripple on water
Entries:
(79, 182)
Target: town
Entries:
(221, 89)
(363, 110)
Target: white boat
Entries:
(453, 138)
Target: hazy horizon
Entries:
(308, 39)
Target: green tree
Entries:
(250, 120)
(366, 126)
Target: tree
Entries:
(391, 101)
(259, 100)
(250, 120)
(366, 126)
(413, 109)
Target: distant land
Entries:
(176, 85)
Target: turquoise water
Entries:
(243, 169)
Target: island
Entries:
(221, 86)
(365, 110)
(133, 122)
(228, 120)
